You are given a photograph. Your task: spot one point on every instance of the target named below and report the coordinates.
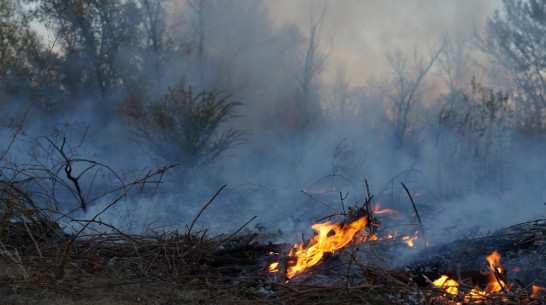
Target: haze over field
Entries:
(359, 33)
(295, 95)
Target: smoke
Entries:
(256, 51)
(362, 32)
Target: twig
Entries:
(111, 227)
(238, 230)
(416, 212)
(322, 202)
(369, 211)
(64, 260)
(204, 207)
(32, 237)
(497, 277)
(342, 201)
(68, 171)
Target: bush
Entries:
(184, 127)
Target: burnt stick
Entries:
(416, 212)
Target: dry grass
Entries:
(191, 269)
(39, 264)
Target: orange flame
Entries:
(274, 267)
(406, 239)
(409, 240)
(537, 290)
(449, 285)
(376, 210)
(494, 282)
(329, 238)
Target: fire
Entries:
(329, 238)
(408, 240)
(537, 290)
(494, 281)
(376, 210)
(449, 285)
(274, 267)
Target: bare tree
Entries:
(453, 66)
(402, 89)
(199, 6)
(155, 25)
(307, 101)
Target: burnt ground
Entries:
(175, 268)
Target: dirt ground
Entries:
(33, 281)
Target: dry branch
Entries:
(416, 212)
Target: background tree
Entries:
(100, 47)
(482, 122)
(402, 91)
(302, 104)
(20, 53)
(517, 39)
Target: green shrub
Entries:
(184, 127)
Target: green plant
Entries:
(184, 127)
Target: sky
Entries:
(359, 34)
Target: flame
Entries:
(409, 240)
(376, 210)
(537, 290)
(406, 238)
(449, 285)
(329, 238)
(274, 267)
(319, 191)
(494, 282)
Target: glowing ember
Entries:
(329, 238)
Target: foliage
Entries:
(517, 38)
(106, 48)
(184, 127)
(478, 113)
(19, 51)
(482, 122)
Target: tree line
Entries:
(183, 72)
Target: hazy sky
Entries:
(359, 33)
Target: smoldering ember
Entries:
(282, 152)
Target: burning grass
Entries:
(347, 261)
